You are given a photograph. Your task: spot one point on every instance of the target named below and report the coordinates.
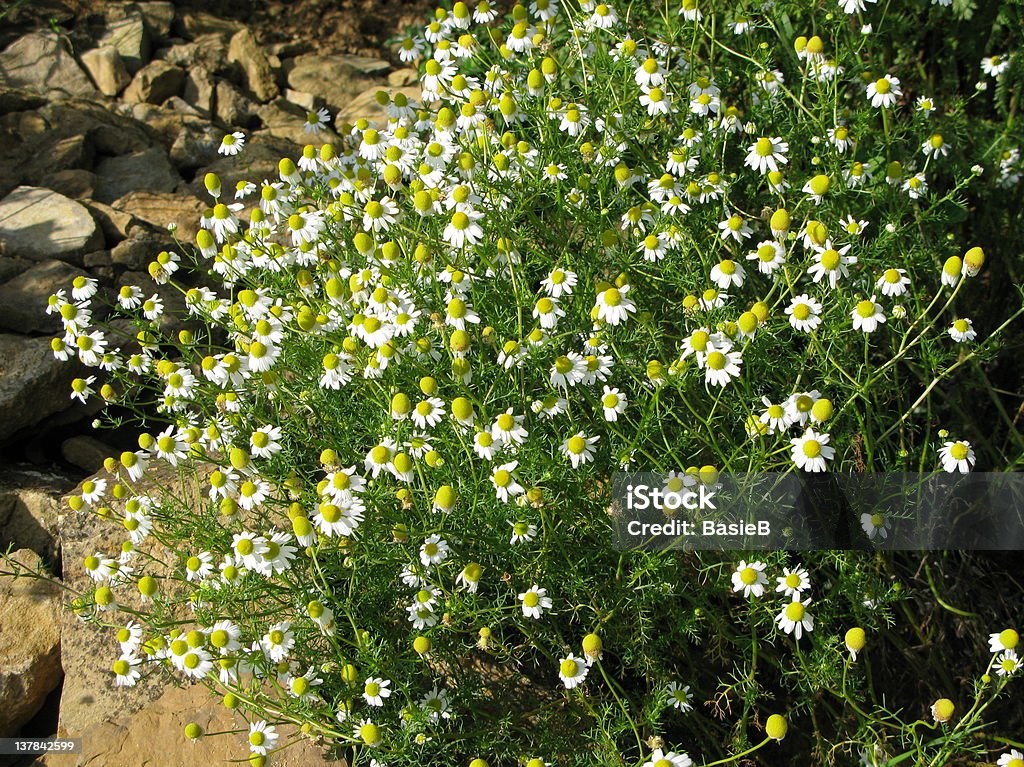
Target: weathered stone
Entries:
(85, 452)
(129, 38)
(150, 170)
(244, 51)
(140, 248)
(195, 146)
(29, 641)
(283, 119)
(156, 16)
(402, 77)
(38, 223)
(337, 78)
(233, 108)
(30, 510)
(33, 384)
(301, 99)
(163, 121)
(195, 24)
(155, 83)
(178, 105)
(159, 209)
(73, 183)
(24, 298)
(210, 51)
(12, 267)
(158, 729)
(40, 63)
(114, 223)
(106, 131)
(98, 262)
(365, 105)
(107, 69)
(258, 161)
(50, 152)
(199, 88)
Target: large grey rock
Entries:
(149, 171)
(233, 108)
(39, 62)
(244, 51)
(39, 224)
(107, 68)
(337, 78)
(87, 453)
(199, 89)
(30, 510)
(140, 248)
(283, 119)
(156, 16)
(33, 384)
(155, 83)
(29, 642)
(258, 161)
(158, 209)
(195, 146)
(105, 130)
(129, 38)
(24, 298)
(196, 24)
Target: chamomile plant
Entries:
(692, 237)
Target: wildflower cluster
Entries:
(599, 240)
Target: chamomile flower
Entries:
(126, 670)
(572, 671)
(506, 486)
(534, 601)
(875, 525)
(660, 758)
(993, 66)
(767, 154)
(522, 532)
(579, 449)
(962, 330)
(727, 274)
(749, 578)
(721, 365)
(1007, 639)
(804, 313)
(376, 690)
(769, 256)
(867, 315)
(884, 91)
(232, 144)
(434, 550)
(679, 696)
(278, 642)
(1007, 663)
(795, 619)
(811, 451)
(614, 306)
(1012, 758)
(316, 121)
(736, 227)
(793, 583)
(893, 282)
(613, 404)
(957, 456)
(262, 737)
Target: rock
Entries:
(301, 99)
(258, 161)
(74, 183)
(18, 100)
(156, 16)
(12, 267)
(24, 298)
(98, 263)
(162, 120)
(233, 109)
(38, 62)
(155, 83)
(337, 78)
(107, 69)
(29, 512)
(140, 248)
(158, 729)
(29, 642)
(106, 131)
(87, 453)
(282, 119)
(402, 77)
(50, 152)
(244, 51)
(33, 384)
(365, 106)
(38, 224)
(179, 106)
(199, 89)
(195, 146)
(195, 24)
(162, 208)
(149, 170)
(210, 51)
(129, 38)
(114, 223)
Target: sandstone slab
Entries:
(129, 38)
(107, 68)
(259, 77)
(29, 642)
(24, 298)
(40, 63)
(39, 224)
(336, 79)
(149, 170)
(33, 385)
(155, 83)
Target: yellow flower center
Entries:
(748, 575)
(795, 611)
(882, 85)
(531, 599)
(866, 308)
(812, 448)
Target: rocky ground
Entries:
(110, 116)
